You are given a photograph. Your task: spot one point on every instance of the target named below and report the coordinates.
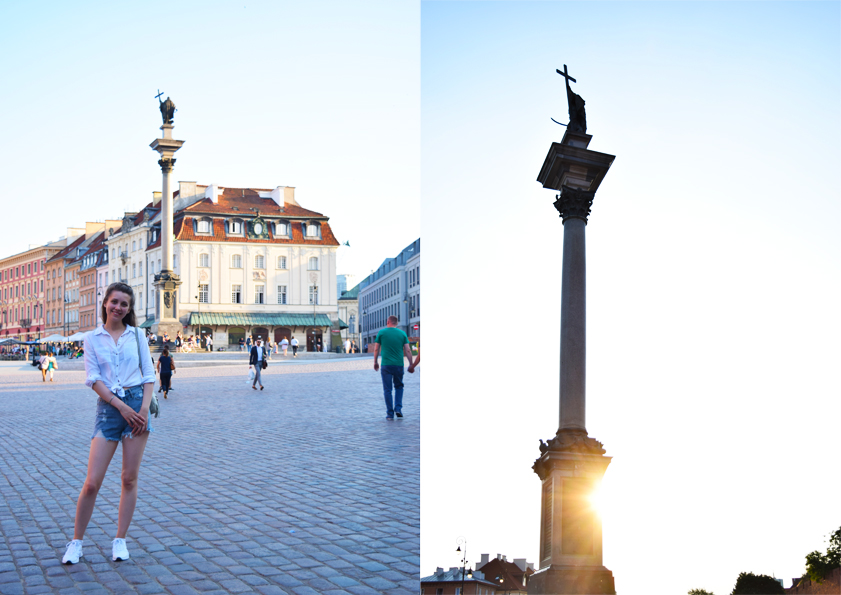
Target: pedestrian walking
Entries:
(248, 343)
(209, 342)
(394, 345)
(42, 365)
(118, 366)
(270, 348)
(241, 343)
(166, 368)
(52, 366)
(284, 345)
(294, 344)
(257, 359)
(347, 345)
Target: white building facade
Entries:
(386, 292)
(252, 263)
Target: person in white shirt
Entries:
(119, 369)
(294, 344)
(209, 342)
(256, 360)
(347, 345)
(284, 344)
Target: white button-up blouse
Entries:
(116, 364)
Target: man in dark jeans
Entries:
(394, 345)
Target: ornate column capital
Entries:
(574, 204)
(166, 164)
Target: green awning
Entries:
(147, 323)
(340, 324)
(257, 319)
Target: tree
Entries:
(749, 583)
(819, 565)
(700, 592)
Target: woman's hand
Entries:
(137, 420)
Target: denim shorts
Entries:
(110, 424)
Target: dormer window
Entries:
(203, 226)
(282, 229)
(235, 226)
(313, 230)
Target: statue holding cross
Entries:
(167, 108)
(577, 117)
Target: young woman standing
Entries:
(124, 384)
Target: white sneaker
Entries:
(119, 550)
(73, 553)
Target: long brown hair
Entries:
(129, 319)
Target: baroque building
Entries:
(251, 262)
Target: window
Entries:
(312, 230)
(140, 300)
(236, 294)
(204, 260)
(133, 270)
(258, 294)
(281, 262)
(314, 295)
(281, 294)
(204, 294)
(313, 266)
(259, 262)
(203, 226)
(236, 261)
(282, 229)
(133, 245)
(235, 226)
(140, 268)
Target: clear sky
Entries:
(321, 95)
(713, 280)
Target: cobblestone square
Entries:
(301, 488)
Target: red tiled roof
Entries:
(245, 199)
(63, 253)
(185, 232)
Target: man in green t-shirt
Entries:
(394, 344)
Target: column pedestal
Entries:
(166, 304)
(571, 468)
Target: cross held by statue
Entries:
(565, 74)
(158, 96)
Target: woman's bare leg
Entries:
(132, 455)
(102, 451)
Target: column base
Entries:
(572, 580)
(171, 326)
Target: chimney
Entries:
(212, 192)
(500, 557)
(521, 563)
(186, 189)
(277, 196)
(73, 233)
(92, 228)
(289, 195)
(156, 197)
(485, 559)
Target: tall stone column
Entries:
(166, 281)
(572, 463)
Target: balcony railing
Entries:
(25, 322)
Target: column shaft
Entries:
(166, 219)
(573, 327)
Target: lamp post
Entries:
(462, 541)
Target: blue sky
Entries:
(713, 258)
(323, 96)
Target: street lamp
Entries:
(462, 541)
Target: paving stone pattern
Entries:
(302, 488)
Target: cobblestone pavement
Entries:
(302, 488)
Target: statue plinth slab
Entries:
(574, 166)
